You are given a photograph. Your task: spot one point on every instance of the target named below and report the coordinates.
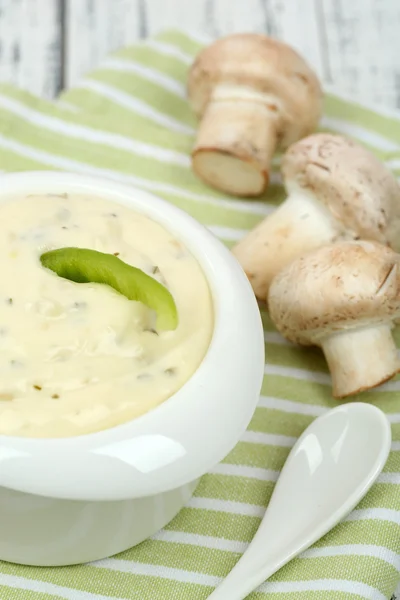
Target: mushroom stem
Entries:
(236, 140)
(360, 359)
(299, 225)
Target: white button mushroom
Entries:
(344, 298)
(253, 94)
(336, 189)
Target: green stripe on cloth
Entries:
(257, 456)
(118, 121)
(169, 104)
(130, 121)
(12, 593)
(228, 526)
(366, 532)
(309, 596)
(359, 115)
(149, 56)
(237, 489)
(173, 105)
(279, 423)
(361, 569)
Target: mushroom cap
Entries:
(266, 66)
(338, 287)
(360, 192)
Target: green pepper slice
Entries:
(83, 265)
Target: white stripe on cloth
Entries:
(169, 50)
(136, 568)
(227, 233)
(176, 87)
(56, 591)
(223, 545)
(270, 475)
(153, 75)
(367, 136)
(389, 478)
(296, 373)
(322, 378)
(227, 468)
(375, 514)
(364, 135)
(182, 576)
(129, 101)
(198, 37)
(135, 105)
(393, 417)
(393, 164)
(88, 134)
(202, 541)
(355, 550)
(274, 337)
(153, 186)
(313, 410)
(138, 106)
(245, 471)
(268, 439)
(226, 506)
(391, 113)
(253, 510)
(340, 125)
(322, 585)
(283, 587)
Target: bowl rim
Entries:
(186, 435)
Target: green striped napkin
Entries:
(130, 121)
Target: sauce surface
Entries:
(78, 358)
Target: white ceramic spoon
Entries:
(330, 468)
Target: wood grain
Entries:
(31, 45)
(352, 45)
(93, 29)
(46, 44)
(362, 48)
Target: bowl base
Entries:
(47, 532)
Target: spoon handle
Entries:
(243, 579)
(330, 468)
(264, 557)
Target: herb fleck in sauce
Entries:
(80, 358)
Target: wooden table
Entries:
(46, 45)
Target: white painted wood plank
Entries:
(297, 24)
(191, 15)
(210, 17)
(223, 17)
(353, 45)
(363, 48)
(94, 28)
(293, 22)
(30, 45)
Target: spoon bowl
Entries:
(329, 470)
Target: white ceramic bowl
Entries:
(78, 499)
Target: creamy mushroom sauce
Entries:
(77, 358)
